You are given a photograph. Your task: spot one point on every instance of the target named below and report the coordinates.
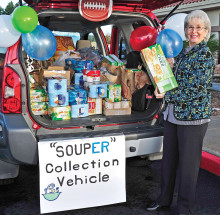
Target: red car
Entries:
(21, 129)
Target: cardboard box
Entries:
(158, 68)
(116, 112)
(37, 76)
(58, 71)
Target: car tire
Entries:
(7, 181)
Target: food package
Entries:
(95, 106)
(113, 92)
(59, 113)
(77, 63)
(91, 75)
(58, 99)
(158, 68)
(128, 83)
(64, 44)
(81, 110)
(39, 108)
(116, 59)
(96, 90)
(37, 76)
(37, 95)
(56, 85)
(32, 82)
(77, 96)
(110, 61)
(59, 60)
(78, 79)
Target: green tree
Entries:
(1, 10)
(9, 8)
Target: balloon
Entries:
(170, 42)
(143, 37)
(8, 34)
(40, 44)
(24, 19)
(176, 23)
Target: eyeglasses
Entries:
(191, 28)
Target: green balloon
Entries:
(24, 19)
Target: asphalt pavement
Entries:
(216, 86)
(142, 186)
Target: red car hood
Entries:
(122, 4)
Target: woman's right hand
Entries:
(158, 95)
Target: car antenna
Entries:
(170, 13)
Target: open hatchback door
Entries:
(128, 5)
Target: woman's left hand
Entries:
(158, 95)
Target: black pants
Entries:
(182, 148)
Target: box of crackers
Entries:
(158, 68)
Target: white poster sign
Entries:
(81, 173)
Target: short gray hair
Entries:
(200, 14)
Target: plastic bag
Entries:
(91, 54)
(68, 54)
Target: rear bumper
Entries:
(18, 143)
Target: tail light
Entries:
(11, 92)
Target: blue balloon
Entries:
(170, 42)
(40, 44)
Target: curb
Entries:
(210, 163)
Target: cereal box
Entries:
(119, 62)
(113, 93)
(110, 61)
(158, 68)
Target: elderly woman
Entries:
(186, 116)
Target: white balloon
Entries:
(8, 34)
(176, 23)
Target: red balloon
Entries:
(143, 37)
